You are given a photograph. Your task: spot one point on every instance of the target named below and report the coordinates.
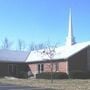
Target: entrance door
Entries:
(40, 68)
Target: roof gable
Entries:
(63, 52)
(70, 51)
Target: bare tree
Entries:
(50, 52)
(34, 46)
(21, 45)
(6, 44)
(41, 46)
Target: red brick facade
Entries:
(61, 66)
(33, 68)
(78, 62)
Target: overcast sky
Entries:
(42, 20)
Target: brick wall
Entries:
(33, 68)
(63, 66)
(58, 66)
(47, 67)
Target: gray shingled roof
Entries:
(13, 56)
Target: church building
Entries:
(72, 57)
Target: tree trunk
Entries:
(51, 72)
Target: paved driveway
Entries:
(14, 87)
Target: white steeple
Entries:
(70, 38)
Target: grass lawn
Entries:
(65, 84)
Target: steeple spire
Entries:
(70, 38)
